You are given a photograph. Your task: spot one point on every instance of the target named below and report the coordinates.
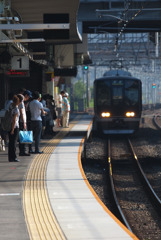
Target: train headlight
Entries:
(130, 114)
(105, 114)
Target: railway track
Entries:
(129, 191)
(134, 199)
(157, 121)
(151, 166)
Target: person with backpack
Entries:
(4, 133)
(13, 133)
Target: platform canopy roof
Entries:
(49, 11)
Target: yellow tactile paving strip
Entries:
(40, 219)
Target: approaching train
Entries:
(117, 103)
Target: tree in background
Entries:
(79, 90)
(79, 93)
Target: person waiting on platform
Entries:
(59, 108)
(22, 124)
(36, 109)
(13, 134)
(4, 134)
(66, 110)
(50, 103)
(47, 120)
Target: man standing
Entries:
(66, 110)
(59, 108)
(36, 109)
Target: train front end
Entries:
(117, 105)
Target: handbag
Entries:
(2, 145)
(26, 137)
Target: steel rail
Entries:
(149, 188)
(155, 121)
(113, 188)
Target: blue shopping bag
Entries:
(26, 137)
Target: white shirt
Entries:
(35, 109)
(22, 106)
(59, 101)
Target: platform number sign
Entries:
(20, 63)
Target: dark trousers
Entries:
(22, 147)
(29, 129)
(36, 127)
(12, 145)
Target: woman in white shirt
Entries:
(23, 125)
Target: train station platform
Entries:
(47, 196)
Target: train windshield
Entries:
(103, 93)
(117, 95)
(117, 91)
(131, 92)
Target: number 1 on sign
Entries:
(20, 62)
